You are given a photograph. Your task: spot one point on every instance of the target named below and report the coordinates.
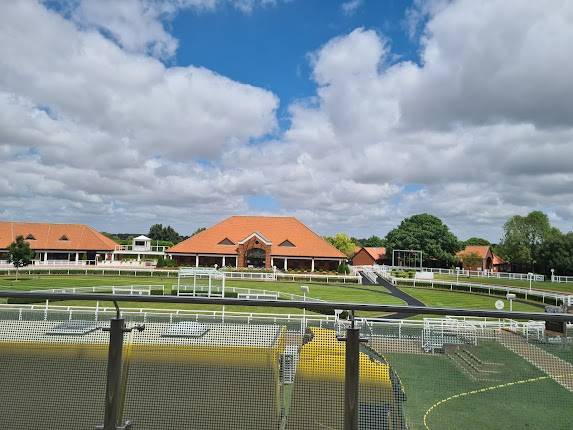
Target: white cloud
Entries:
(480, 130)
(351, 6)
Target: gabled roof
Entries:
(256, 234)
(142, 237)
(480, 250)
(274, 229)
(497, 260)
(48, 236)
(377, 253)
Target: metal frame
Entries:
(415, 251)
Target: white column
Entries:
(77, 257)
(196, 260)
(138, 257)
(113, 256)
(286, 265)
(45, 256)
(223, 261)
(272, 262)
(312, 265)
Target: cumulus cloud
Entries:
(95, 128)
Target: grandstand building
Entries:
(58, 242)
(258, 242)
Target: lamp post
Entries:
(304, 289)
(457, 275)
(510, 297)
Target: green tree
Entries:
(20, 254)
(476, 241)
(167, 234)
(343, 243)
(374, 241)
(472, 261)
(523, 237)
(428, 234)
(556, 253)
(199, 230)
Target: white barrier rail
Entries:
(114, 289)
(545, 296)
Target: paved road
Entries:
(396, 292)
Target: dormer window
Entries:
(226, 241)
(287, 243)
(64, 237)
(30, 237)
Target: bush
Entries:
(166, 262)
(343, 268)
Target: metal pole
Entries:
(112, 395)
(351, 378)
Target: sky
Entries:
(349, 115)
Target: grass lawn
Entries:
(427, 379)
(329, 292)
(547, 285)
(449, 299)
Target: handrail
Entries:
(309, 305)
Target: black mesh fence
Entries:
(203, 373)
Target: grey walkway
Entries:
(396, 292)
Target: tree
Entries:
(556, 253)
(343, 243)
(373, 241)
(476, 241)
(20, 254)
(428, 234)
(199, 230)
(472, 261)
(167, 234)
(523, 236)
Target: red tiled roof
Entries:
(47, 236)
(275, 229)
(497, 260)
(377, 253)
(480, 250)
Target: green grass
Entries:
(329, 292)
(427, 379)
(449, 299)
(546, 285)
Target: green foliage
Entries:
(476, 241)
(524, 236)
(472, 260)
(373, 241)
(343, 268)
(557, 253)
(199, 230)
(168, 234)
(166, 262)
(343, 243)
(19, 252)
(426, 233)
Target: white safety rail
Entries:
(138, 290)
(205, 281)
(490, 289)
(245, 293)
(370, 275)
(319, 278)
(463, 273)
(562, 279)
(438, 332)
(252, 276)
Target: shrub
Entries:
(166, 262)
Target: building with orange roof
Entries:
(489, 260)
(368, 255)
(57, 242)
(259, 242)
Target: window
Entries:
(139, 243)
(64, 237)
(226, 241)
(30, 237)
(287, 243)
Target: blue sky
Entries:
(121, 114)
(270, 46)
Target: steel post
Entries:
(351, 379)
(114, 363)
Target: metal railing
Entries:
(141, 249)
(344, 372)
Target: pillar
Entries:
(312, 265)
(223, 261)
(286, 265)
(138, 257)
(45, 256)
(196, 260)
(77, 257)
